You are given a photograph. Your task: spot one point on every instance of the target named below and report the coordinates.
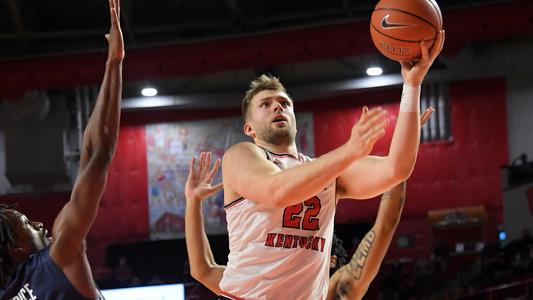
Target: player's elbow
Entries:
(355, 290)
(200, 273)
(103, 155)
(401, 172)
(359, 292)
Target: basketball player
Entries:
(35, 266)
(280, 204)
(350, 281)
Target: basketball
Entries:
(398, 26)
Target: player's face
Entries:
(333, 262)
(271, 118)
(30, 236)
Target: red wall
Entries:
(123, 214)
(462, 172)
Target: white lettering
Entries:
(30, 291)
(24, 293)
(21, 294)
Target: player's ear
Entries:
(249, 130)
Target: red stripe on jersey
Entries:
(230, 296)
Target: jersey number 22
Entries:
(292, 215)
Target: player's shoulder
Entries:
(240, 149)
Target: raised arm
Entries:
(371, 175)
(198, 187)
(247, 173)
(352, 280)
(77, 216)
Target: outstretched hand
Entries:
(114, 37)
(413, 73)
(199, 183)
(368, 130)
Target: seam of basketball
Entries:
(395, 38)
(411, 14)
(434, 5)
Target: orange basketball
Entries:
(398, 26)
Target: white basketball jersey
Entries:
(280, 253)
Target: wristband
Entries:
(410, 98)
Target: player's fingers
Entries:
(207, 164)
(192, 172)
(426, 115)
(214, 171)
(218, 187)
(114, 17)
(378, 117)
(375, 135)
(364, 113)
(202, 164)
(370, 114)
(438, 45)
(424, 50)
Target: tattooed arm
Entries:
(352, 280)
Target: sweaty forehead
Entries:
(15, 216)
(270, 94)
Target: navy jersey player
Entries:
(35, 266)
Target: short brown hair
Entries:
(261, 83)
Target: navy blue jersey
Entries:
(39, 278)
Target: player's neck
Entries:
(289, 149)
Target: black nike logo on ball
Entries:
(386, 25)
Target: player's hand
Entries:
(413, 73)
(426, 115)
(114, 37)
(199, 183)
(368, 130)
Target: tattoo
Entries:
(402, 201)
(356, 265)
(403, 186)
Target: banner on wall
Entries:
(170, 147)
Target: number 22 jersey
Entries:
(280, 253)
